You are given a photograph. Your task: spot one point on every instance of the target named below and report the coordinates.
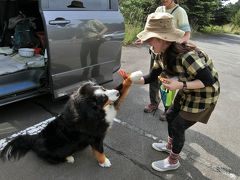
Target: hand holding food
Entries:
(136, 76)
(171, 84)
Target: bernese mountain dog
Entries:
(87, 116)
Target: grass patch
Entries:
(222, 29)
(131, 32)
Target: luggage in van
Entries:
(24, 35)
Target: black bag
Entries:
(24, 36)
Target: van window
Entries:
(96, 5)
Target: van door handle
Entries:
(59, 21)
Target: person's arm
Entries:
(152, 76)
(196, 84)
(100, 26)
(173, 84)
(197, 68)
(103, 30)
(183, 24)
(186, 37)
(205, 76)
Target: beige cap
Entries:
(160, 25)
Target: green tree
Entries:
(221, 16)
(200, 12)
(134, 11)
(236, 20)
(233, 8)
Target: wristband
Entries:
(184, 85)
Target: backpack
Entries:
(24, 36)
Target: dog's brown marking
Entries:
(107, 103)
(99, 156)
(123, 89)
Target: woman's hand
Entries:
(138, 42)
(136, 76)
(171, 84)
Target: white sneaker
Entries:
(164, 165)
(161, 146)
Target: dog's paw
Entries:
(122, 73)
(70, 159)
(107, 163)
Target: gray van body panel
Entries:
(73, 57)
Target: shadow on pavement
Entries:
(229, 159)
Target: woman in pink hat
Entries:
(184, 68)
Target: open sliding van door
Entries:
(78, 43)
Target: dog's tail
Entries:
(18, 147)
(123, 88)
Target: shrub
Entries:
(236, 20)
(131, 32)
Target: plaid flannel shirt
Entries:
(187, 66)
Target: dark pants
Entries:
(154, 89)
(90, 47)
(176, 127)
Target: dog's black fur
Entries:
(82, 123)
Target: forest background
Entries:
(208, 16)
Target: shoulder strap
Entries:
(174, 9)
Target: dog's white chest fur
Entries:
(110, 114)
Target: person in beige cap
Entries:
(186, 69)
(180, 17)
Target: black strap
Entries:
(174, 9)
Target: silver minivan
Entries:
(51, 46)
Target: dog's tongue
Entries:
(123, 73)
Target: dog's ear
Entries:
(85, 87)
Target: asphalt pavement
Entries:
(210, 152)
